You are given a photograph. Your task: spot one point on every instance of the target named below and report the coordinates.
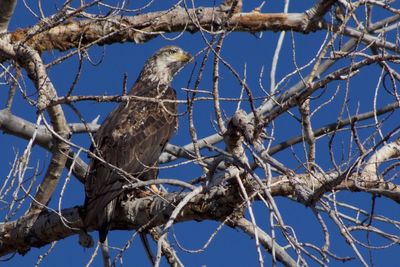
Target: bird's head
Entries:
(162, 66)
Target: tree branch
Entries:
(144, 27)
(215, 204)
(17, 126)
(21, 235)
(335, 126)
(31, 61)
(386, 152)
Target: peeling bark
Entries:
(388, 151)
(141, 28)
(29, 232)
(216, 204)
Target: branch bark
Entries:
(215, 204)
(152, 211)
(31, 61)
(144, 27)
(388, 151)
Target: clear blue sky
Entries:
(230, 247)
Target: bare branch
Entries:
(132, 214)
(216, 204)
(388, 151)
(352, 151)
(144, 27)
(317, 12)
(17, 126)
(33, 64)
(308, 131)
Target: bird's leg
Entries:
(155, 189)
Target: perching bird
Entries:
(133, 136)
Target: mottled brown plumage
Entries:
(133, 136)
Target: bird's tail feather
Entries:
(146, 245)
(105, 220)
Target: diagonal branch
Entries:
(32, 62)
(388, 151)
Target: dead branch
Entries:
(388, 151)
(144, 27)
(25, 233)
(31, 61)
(216, 204)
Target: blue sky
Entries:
(230, 247)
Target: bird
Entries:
(132, 137)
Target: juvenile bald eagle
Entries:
(133, 136)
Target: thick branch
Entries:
(143, 27)
(17, 126)
(31, 61)
(152, 211)
(388, 151)
(215, 204)
(309, 188)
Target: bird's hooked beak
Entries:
(183, 56)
